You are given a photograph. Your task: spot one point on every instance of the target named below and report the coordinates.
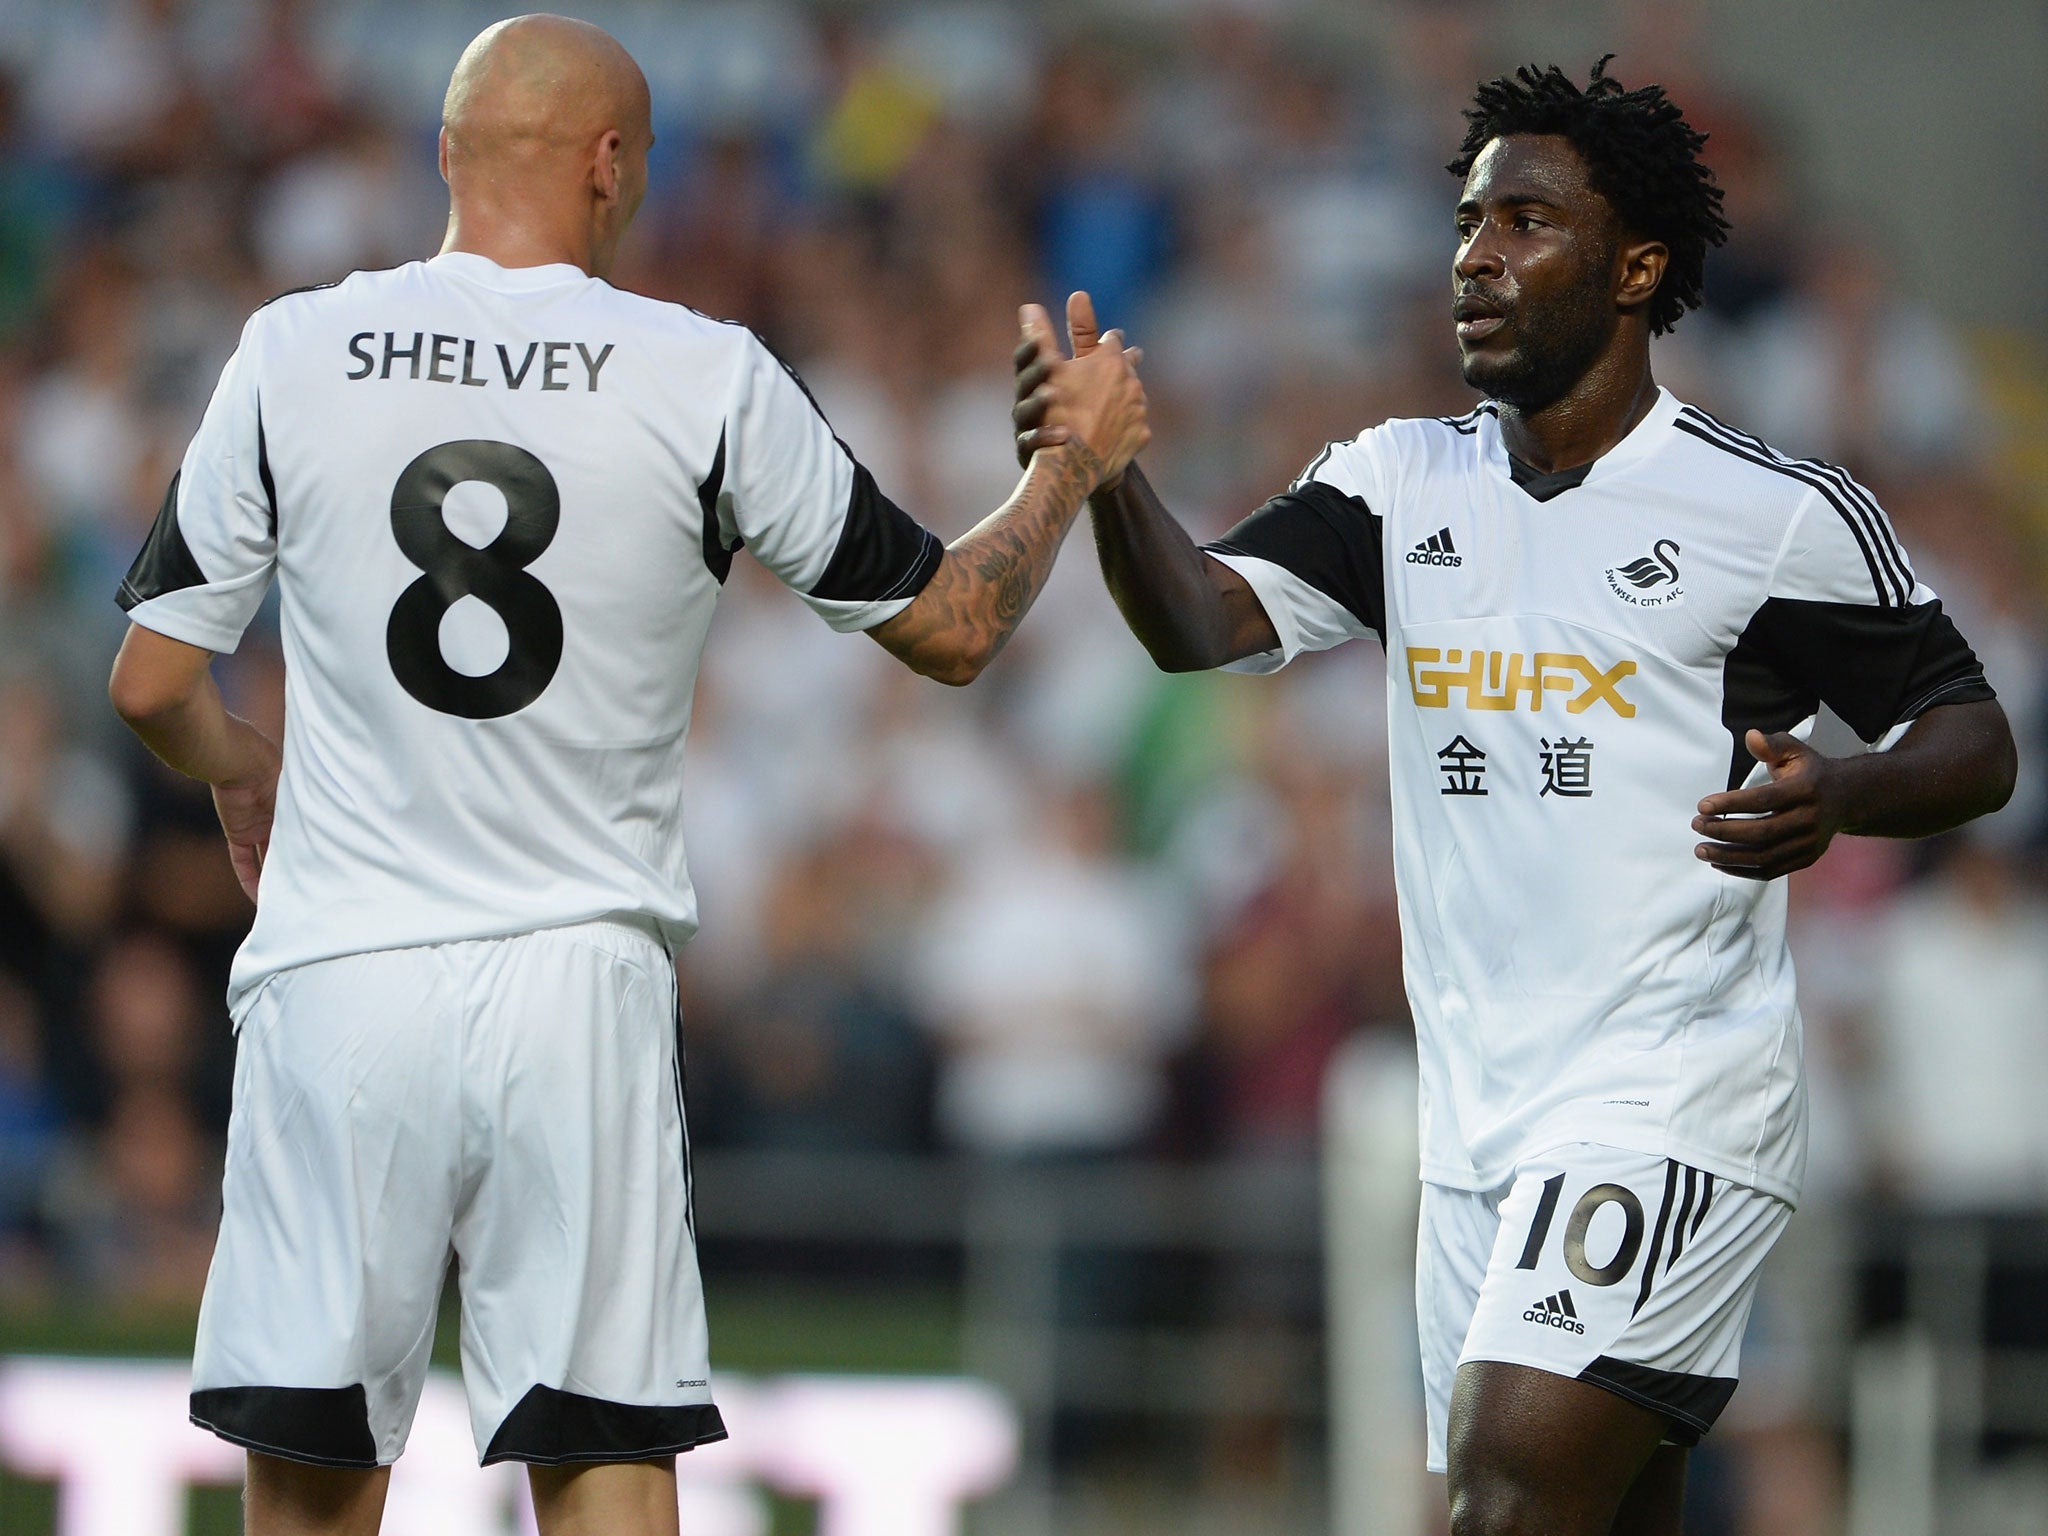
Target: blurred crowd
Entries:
(1082, 910)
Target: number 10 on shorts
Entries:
(1580, 1224)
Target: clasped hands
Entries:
(1088, 397)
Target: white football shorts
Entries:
(1626, 1270)
(515, 1105)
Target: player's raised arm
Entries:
(990, 576)
(1189, 611)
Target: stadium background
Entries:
(1012, 1009)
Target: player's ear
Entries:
(605, 174)
(1641, 266)
(441, 155)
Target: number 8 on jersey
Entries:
(496, 575)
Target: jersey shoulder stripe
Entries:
(1307, 476)
(1369, 466)
(1840, 477)
(295, 305)
(1468, 423)
(291, 293)
(780, 361)
(1890, 575)
(758, 339)
(1881, 581)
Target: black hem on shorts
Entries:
(1692, 1403)
(552, 1428)
(321, 1426)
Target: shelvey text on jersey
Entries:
(442, 366)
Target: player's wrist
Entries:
(254, 759)
(1088, 463)
(1849, 791)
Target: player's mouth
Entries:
(1476, 318)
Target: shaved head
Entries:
(545, 128)
(540, 84)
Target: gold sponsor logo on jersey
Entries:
(1504, 679)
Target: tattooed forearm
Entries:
(991, 575)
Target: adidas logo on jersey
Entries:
(1556, 1312)
(1436, 550)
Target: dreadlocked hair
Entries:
(1640, 154)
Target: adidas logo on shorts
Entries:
(1436, 550)
(1556, 1312)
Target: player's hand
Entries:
(1034, 358)
(1037, 354)
(1772, 829)
(246, 808)
(1092, 395)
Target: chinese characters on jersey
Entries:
(1567, 764)
(1463, 766)
(1568, 768)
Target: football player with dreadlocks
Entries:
(1610, 621)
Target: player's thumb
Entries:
(1776, 751)
(1036, 325)
(1082, 327)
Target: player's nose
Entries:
(1477, 257)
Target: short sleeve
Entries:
(1313, 557)
(1846, 623)
(805, 509)
(203, 571)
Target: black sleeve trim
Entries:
(1872, 666)
(1330, 540)
(165, 563)
(884, 552)
(1964, 690)
(322, 1426)
(552, 1428)
(717, 556)
(1692, 1402)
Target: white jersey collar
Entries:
(1642, 441)
(481, 269)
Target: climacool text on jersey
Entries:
(436, 359)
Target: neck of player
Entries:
(1606, 404)
(521, 240)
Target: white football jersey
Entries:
(500, 505)
(1573, 661)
